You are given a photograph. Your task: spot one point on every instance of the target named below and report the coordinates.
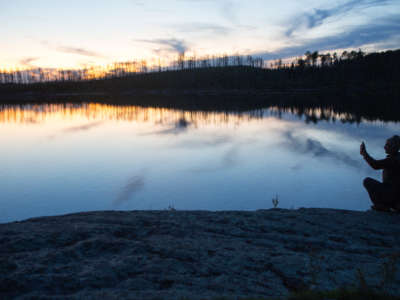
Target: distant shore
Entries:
(198, 254)
(38, 95)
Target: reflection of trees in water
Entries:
(96, 111)
(316, 114)
(41, 113)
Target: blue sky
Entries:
(70, 34)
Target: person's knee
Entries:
(367, 182)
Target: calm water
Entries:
(58, 159)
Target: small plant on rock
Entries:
(171, 208)
(275, 201)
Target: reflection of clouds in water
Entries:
(377, 131)
(315, 148)
(82, 127)
(296, 167)
(179, 127)
(134, 185)
(78, 128)
(208, 141)
(230, 157)
(228, 160)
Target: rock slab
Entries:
(197, 254)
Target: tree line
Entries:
(317, 59)
(130, 68)
(125, 69)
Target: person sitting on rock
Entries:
(385, 196)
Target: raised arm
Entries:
(374, 163)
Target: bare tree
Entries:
(301, 63)
(143, 66)
(344, 55)
(314, 58)
(181, 61)
(335, 58)
(250, 61)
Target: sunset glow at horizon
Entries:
(80, 34)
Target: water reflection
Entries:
(134, 185)
(317, 114)
(229, 159)
(209, 141)
(101, 157)
(24, 114)
(83, 127)
(34, 114)
(178, 127)
(315, 148)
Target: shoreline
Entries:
(198, 254)
(127, 94)
(345, 102)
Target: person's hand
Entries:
(363, 150)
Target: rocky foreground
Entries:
(198, 254)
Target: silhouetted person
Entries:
(386, 195)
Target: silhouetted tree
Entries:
(344, 55)
(143, 66)
(181, 61)
(335, 58)
(314, 58)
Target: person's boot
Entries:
(396, 208)
(380, 208)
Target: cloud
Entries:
(79, 51)
(247, 27)
(27, 61)
(315, 148)
(138, 3)
(204, 27)
(318, 16)
(71, 50)
(168, 45)
(134, 185)
(377, 31)
(228, 11)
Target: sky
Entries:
(80, 33)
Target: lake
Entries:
(66, 158)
